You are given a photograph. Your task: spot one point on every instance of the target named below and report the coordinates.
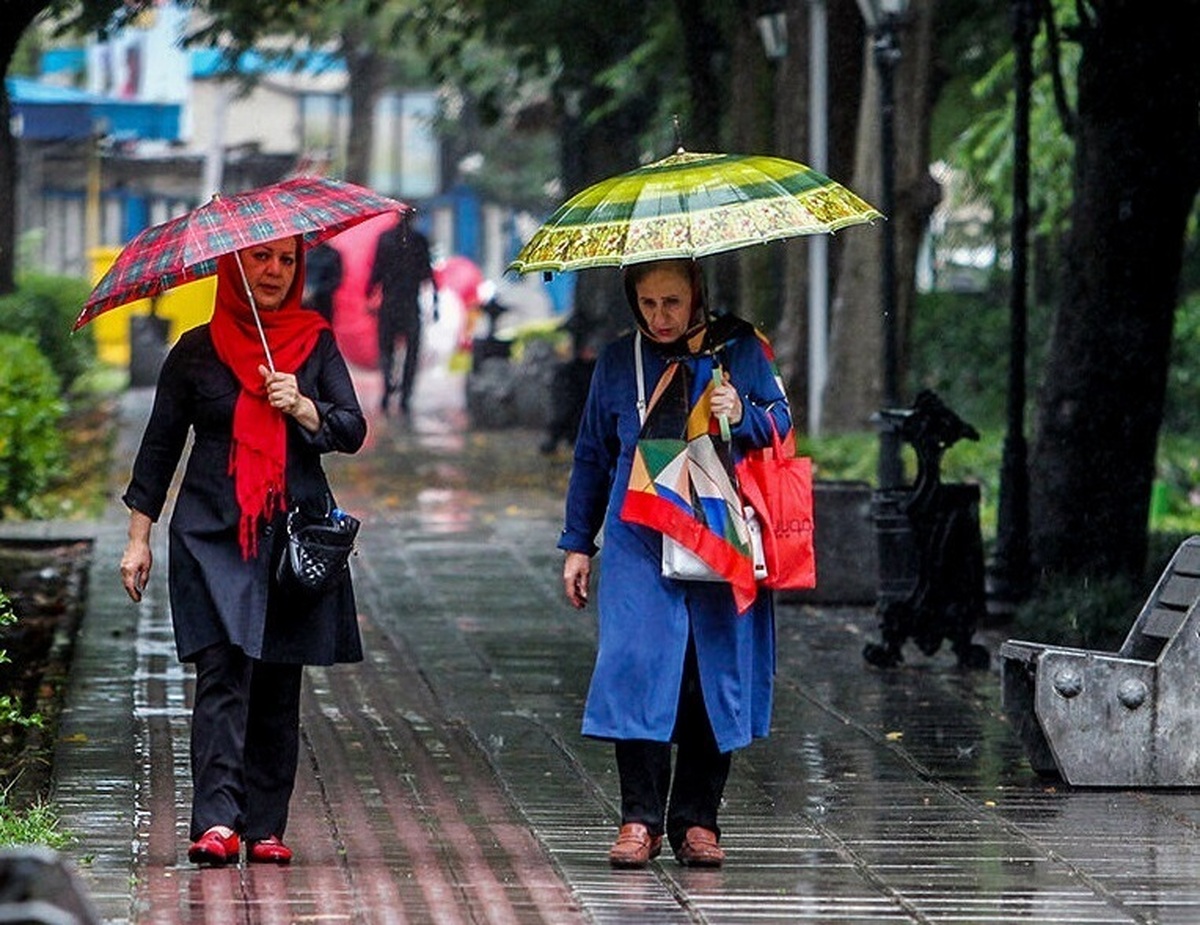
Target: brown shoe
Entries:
(634, 847)
(700, 849)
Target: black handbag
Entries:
(318, 547)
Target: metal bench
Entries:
(1124, 719)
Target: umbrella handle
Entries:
(722, 419)
(254, 311)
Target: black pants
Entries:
(649, 794)
(389, 331)
(245, 742)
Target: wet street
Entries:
(444, 780)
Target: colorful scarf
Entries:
(258, 451)
(682, 482)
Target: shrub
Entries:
(11, 713)
(43, 309)
(1091, 614)
(960, 349)
(38, 823)
(1182, 414)
(31, 448)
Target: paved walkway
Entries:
(444, 779)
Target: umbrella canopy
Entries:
(462, 276)
(690, 205)
(186, 247)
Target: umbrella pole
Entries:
(254, 311)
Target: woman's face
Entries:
(664, 297)
(270, 269)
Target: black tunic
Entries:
(216, 595)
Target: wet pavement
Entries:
(444, 780)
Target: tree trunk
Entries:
(18, 17)
(706, 48)
(364, 71)
(854, 390)
(1137, 165)
(788, 260)
(755, 89)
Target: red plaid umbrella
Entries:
(186, 248)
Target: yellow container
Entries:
(184, 306)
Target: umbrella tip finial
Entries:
(678, 134)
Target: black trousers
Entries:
(245, 742)
(671, 805)
(389, 331)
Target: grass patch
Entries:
(37, 824)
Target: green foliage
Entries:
(43, 309)
(1175, 500)
(854, 457)
(10, 711)
(1182, 414)
(960, 350)
(1096, 614)
(37, 824)
(31, 448)
(841, 457)
(970, 37)
(984, 149)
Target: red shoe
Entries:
(269, 851)
(214, 848)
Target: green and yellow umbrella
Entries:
(690, 205)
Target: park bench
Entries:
(1129, 718)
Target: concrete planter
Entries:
(846, 547)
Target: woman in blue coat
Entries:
(258, 436)
(676, 663)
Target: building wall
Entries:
(267, 119)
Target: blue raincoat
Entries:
(645, 619)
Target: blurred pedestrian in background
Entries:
(258, 437)
(401, 268)
(676, 663)
(569, 385)
(322, 276)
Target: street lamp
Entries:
(883, 19)
(1011, 563)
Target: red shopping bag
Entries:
(778, 485)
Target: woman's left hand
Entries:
(283, 393)
(726, 401)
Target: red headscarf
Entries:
(258, 454)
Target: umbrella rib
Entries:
(254, 311)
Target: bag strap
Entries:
(640, 373)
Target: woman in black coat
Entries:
(258, 437)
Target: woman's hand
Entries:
(726, 401)
(577, 573)
(283, 392)
(137, 560)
